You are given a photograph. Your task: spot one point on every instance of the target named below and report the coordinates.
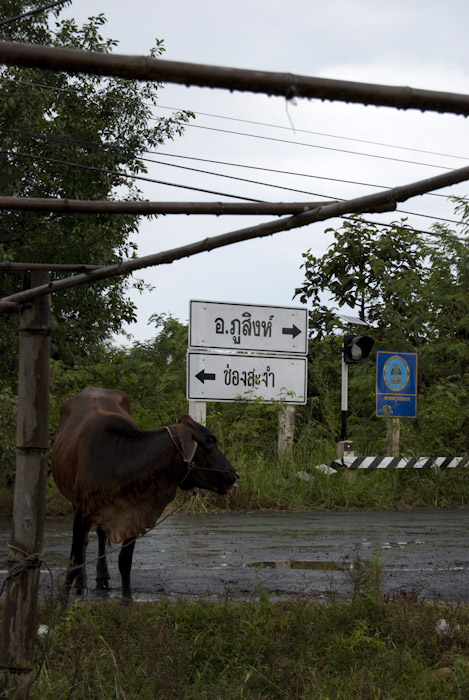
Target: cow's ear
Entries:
(187, 444)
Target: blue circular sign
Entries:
(396, 373)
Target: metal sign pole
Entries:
(344, 397)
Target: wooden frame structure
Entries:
(32, 432)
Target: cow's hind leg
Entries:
(125, 565)
(76, 572)
(102, 571)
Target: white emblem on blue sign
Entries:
(396, 373)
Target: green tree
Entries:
(72, 136)
(373, 271)
(152, 373)
(413, 290)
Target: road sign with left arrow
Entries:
(228, 377)
(248, 327)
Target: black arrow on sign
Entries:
(203, 376)
(293, 331)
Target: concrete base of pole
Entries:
(345, 449)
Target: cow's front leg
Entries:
(76, 572)
(125, 565)
(102, 571)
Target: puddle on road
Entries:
(291, 564)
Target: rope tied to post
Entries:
(30, 561)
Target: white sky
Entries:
(421, 43)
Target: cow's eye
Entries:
(207, 442)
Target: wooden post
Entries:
(392, 437)
(198, 411)
(32, 436)
(286, 430)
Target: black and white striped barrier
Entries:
(353, 462)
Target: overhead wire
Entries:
(31, 12)
(83, 142)
(250, 181)
(106, 171)
(289, 189)
(111, 172)
(316, 133)
(311, 145)
(278, 126)
(287, 172)
(205, 172)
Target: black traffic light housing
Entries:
(357, 348)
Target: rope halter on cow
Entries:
(189, 461)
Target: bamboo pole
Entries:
(78, 206)
(379, 202)
(287, 85)
(32, 435)
(51, 267)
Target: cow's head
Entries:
(207, 466)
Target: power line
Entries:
(123, 175)
(205, 172)
(105, 147)
(317, 133)
(289, 189)
(312, 145)
(286, 172)
(32, 12)
(103, 170)
(435, 234)
(95, 145)
(299, 143)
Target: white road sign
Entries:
(227, 377)
(240, 327)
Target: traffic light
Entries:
(357, 348)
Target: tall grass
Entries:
(294, 482)
(366, 649)
(293, 485)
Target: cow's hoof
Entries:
(82, 591)
(103, 584)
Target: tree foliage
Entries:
(151, 373)
(73, 136)
(413, 290)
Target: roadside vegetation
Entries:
(371, 647)
(153, 374)
(411, 288)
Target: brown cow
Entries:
(120, 478)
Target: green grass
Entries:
(275, 485)
(368, 649)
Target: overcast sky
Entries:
(421, 43)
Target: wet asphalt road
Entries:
(284, 554)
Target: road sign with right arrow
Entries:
(240, 327)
